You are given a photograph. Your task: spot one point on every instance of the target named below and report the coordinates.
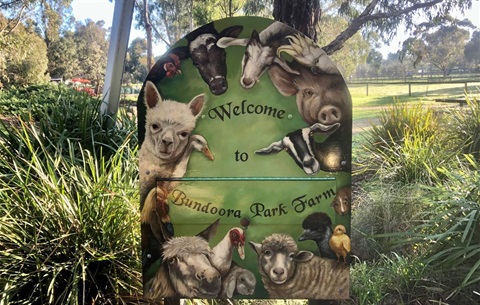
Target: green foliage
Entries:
(452, 222)
(23, 56)
(62, 115)
(69, 231)
(405, 145)
(464, 128)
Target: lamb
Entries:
(287, 272)
(238, 280)
(260, 51)
(186, 271)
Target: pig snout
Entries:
(329, 115)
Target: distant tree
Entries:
(472, 50)
(442, 48)
(92, 47)
(135, 63)
(374, 59)
(355, 51)
(23, 56)
(63, 57)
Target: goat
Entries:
(260, 51)
(321, 98)
(300, 146)
(287, 272)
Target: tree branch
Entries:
(365, 17)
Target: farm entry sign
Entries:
(245, 166)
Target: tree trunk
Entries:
(148, 30)
(302, 15)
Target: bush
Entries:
(405, 146)
(69, 229)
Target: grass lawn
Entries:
(382, 95)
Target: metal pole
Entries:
(122, 21)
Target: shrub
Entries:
(405, 145)
(452, 219)
(463, 128)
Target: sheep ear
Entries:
(226, 42)
(282, 80)
(256, 247)
(325, 129)
(196, 104)
(303, 256)
(152, 96)
(274, 148)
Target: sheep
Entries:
(238, 280)
(260, 51)
(300, 146)
(186, 271)
(287, 272)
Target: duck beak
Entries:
(207, 153)
(241, 251)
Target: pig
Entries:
(321, 98)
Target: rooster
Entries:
(222, 253)
(317, 227)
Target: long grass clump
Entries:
(68, 210)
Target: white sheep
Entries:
(289, 273)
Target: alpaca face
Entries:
(169, 124)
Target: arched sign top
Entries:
(245, 131)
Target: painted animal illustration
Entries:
(287, 272)
(238, 280)
(340, 242)
(186, 271)
(300, 145)
(260, 51)
(318, 227)
(342, 202)
(222, 253)
(183, 270)
(309, 54)
(208, 57)
(169, 125)
(325, 99)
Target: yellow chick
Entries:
(340, 242)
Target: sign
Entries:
(245, 166)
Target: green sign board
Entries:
(245, 166)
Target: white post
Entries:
(122, 21)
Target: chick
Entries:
(317, 227)
(340, 242)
